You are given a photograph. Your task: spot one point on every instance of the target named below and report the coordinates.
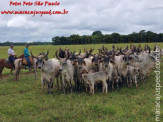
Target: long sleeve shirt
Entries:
(10, 52)
(26, 52)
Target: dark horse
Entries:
(8, 65)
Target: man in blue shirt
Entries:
(26, 55)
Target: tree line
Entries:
(98, 38)
(8, 43)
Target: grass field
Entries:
(25, 101)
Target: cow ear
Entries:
(100, 61)
(130, 58)
(111, 61)
(74, 62)
(93, 59)
(43, 63)
(84, 63)
(99, 58)
(36, 63)
(85, 76)
(123, 58)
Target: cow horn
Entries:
(99, 51)
(56, 54)
(47, 53)
(113, 56)
(154, 48)
(90, 51)
(67, 55)
(102, 55)
(121, 51)
(43, 52)
(149, 49)
(85, 55)
(106, 49)
(33, 55)
(130, 52)
(113, 46)
(79, 52)
(103, 48)
(127, 47)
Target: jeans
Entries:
(11, 60)
(28, 62)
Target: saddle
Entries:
(24, 61)
(7, 61)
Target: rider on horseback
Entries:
(26, 55)
(11, 55)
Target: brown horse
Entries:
(8, 65)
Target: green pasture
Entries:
(24, 100)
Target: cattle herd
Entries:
(82, 71)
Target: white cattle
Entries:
(67, 73)
(145, 65)
(132, 75)
(93, 78)
(49, 70)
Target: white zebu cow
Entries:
(115, 78)
(145, 65)
(122, 61)
(67, 73)
(49, 70)
(93, 78)
(132, 75)
(66, 70)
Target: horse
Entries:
(6, 64)
(35, 61)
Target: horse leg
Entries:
(11, 71)
(18, 73)
(35, 73)
(1, 69)
(15, 74)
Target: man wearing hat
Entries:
(26, 55)
(11, 55)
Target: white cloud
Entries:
(21, 21)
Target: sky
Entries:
(84, 17)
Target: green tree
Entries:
(97, 33)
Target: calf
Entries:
(93, 78)
(132, 75)
(85, 72)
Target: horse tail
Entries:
(17, 70)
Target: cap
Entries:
(26, 45)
